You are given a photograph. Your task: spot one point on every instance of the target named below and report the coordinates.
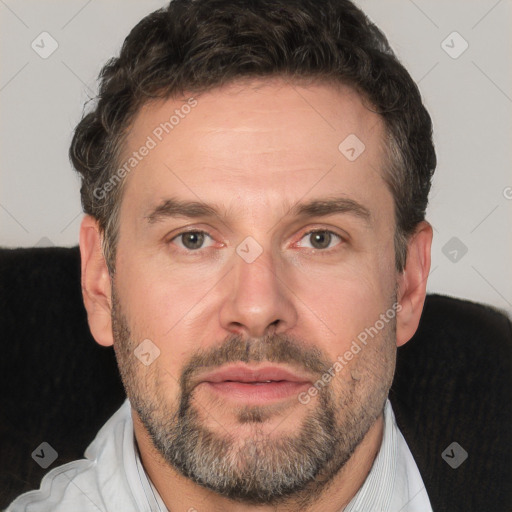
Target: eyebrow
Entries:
(332, 206)
(315, 208)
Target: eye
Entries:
(191, 240)
(321, 239)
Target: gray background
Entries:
(469, 98)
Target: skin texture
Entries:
(255, 150)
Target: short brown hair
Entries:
(198, 45)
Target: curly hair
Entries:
(195, 46)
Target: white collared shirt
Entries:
(112, 477)
(394, 483)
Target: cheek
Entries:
(365, 369)
(347, 300)
(157, 298)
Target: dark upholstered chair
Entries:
(453, 383)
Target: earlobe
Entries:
(96, 283)
(412, 283)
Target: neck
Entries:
(181, 494)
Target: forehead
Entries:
(250, 145)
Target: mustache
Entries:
(274, 348)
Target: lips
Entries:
(249, 375)
(242, 384)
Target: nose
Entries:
(258, 301)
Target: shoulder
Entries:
(60, 488)
(94, 483)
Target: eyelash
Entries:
(308, 233)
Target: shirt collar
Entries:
(152, 495)
(394, 483)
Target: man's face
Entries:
(216, 299)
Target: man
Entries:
(255, 176)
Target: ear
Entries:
(412, 283)
(96, 284)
